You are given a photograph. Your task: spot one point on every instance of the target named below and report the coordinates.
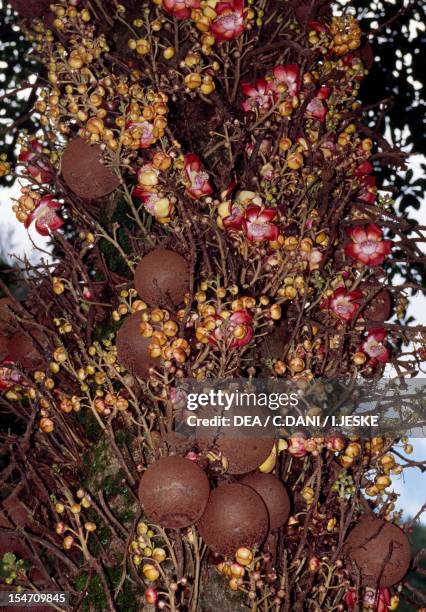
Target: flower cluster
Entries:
(31, 207)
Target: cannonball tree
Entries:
(206, 177)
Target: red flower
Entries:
(229, 22)
(379, 601)
(38, 168)
(181, 9)
(147, 132)
(197, 179)
(154, 203)
(343, 303)
(368, 245)
(314, 258)
(316, 108)
(257, 224)
(257, 94)
(297, 446)
(317, 26)
(9, 376)
(374, 346)
(45, 217)
(238, 325)
(363, 169)
(235, 219)
(368, 191)
(151, 595)
(287, 75)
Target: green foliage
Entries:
(96, 598)
(418, 538)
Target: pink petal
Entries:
(323, 93)
(287, 74)
(192, 161)
(357, 234)
(248, 89)
(240, 317)
(252, 212)
(374, 232)
(267, 215)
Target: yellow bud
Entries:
(150, 572)
(168, 53)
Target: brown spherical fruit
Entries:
(84, 173)
(275, 343)
(162, 278)
(4, 346)
(235, 516)
(174, 492)
(379, 307)
(132, 347)
(274, 495)
(30, 8)
(244, 454)
(7, 316)
(245, 448)
(380, 551)
(24, 349)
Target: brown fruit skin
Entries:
(274, 495)
(275, 343)
(30, 8)
(162, 278)
(132, 347)
(379, 308)
(24, 350)
(235, 516)
(244, 450)
(83, 172)
(4, 347)
(7, 315)
(244, 454)
(174, 492)
(380, 550)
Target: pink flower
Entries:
(363, 169)
(9, 376)
(317, 26)
(343, 303)
(257, 94)
(181, 9)
(316, 108)
(37, 168)
(241, 321)
(154, 203)
(239, 325)
(297, 446)
(151, 595)
(367, 244)
(235, 219)
(197, 179)
(313, 257)
(147, 132)
(374, 346)
(257, 224)
(45, 217)
(229, 22)
(379, 601)
(287, 75)
(368, 191)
